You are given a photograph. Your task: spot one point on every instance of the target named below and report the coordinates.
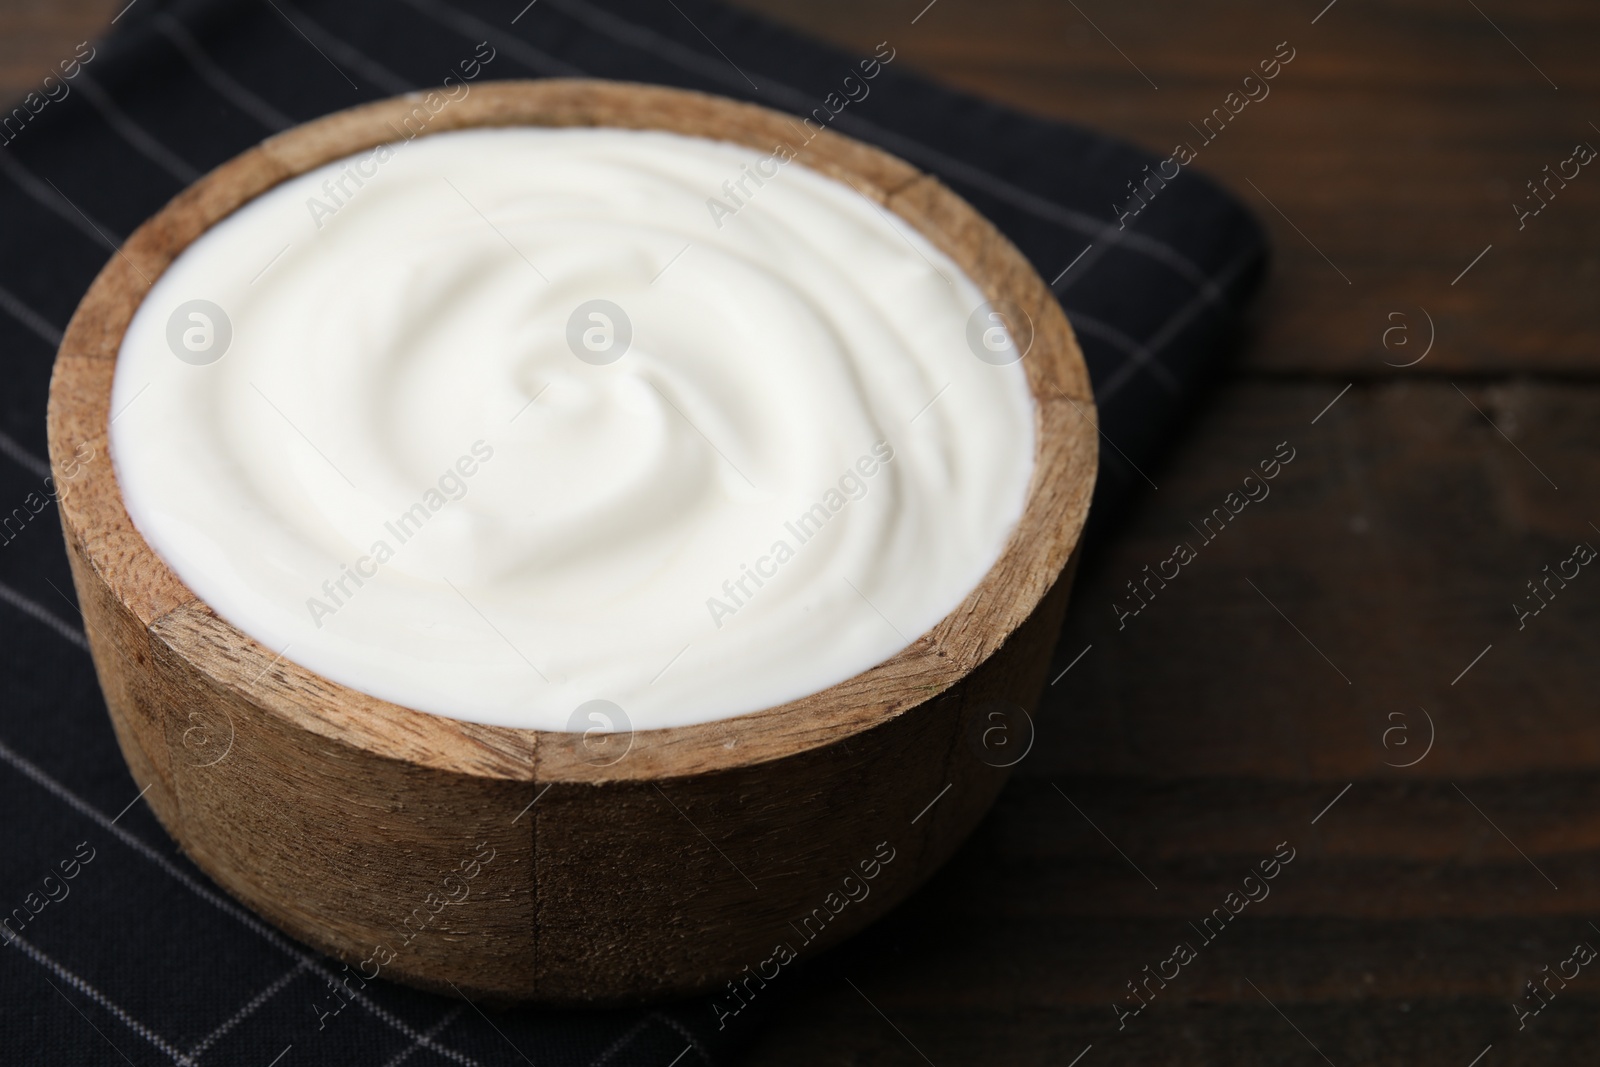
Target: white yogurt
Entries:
(397, 441)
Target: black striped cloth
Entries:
(134, 955)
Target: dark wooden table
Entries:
(1360, 618)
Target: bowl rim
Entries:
(97, 524)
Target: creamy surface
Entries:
(425, 466)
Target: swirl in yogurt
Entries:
(518, 426)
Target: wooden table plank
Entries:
(36, 35)
(1396, 542)
(1396, 141)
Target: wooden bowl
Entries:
(525, 865)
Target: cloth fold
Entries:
(137, 950)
